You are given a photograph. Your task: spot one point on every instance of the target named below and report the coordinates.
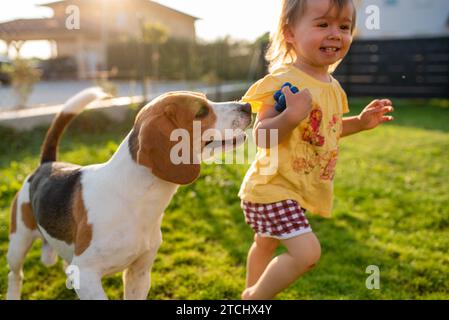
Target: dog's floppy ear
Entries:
(154, 148)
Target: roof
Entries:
(37, 27)
(55, 27)
(55, 3)
(29, 25)
(171, 9)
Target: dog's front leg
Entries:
(90, 287)
(137, 277)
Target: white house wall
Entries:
(405, 19)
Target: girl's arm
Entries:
(298, 107)
(351, 125)
(372, 116)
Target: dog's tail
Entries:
(71, 109)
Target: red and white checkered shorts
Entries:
(282, 220)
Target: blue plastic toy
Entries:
(279, 97)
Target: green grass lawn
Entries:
(391, 210)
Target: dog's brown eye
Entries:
(204, 111)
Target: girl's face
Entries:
(321, 37)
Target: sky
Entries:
(218, 18)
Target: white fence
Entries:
(116, 108)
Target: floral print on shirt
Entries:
(333, 124)
(311, 133)
(308, 159)
(326, 162)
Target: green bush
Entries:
(23, 77)
(186, 60)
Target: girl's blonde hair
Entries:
(280, 51)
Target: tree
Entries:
(23, 78)
(154, 34)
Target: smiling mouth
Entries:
(227, 142)
(329, 49)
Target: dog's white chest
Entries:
(126, 221)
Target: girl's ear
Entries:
(289, 35)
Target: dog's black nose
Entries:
(245, 107)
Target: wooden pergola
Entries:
(101, 21)
(15, 33)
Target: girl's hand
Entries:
(298, 105)
(374, 114)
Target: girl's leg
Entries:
(303, 252)
(259, 256)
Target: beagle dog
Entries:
(106, 218)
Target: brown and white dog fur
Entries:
(106, 218)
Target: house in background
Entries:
(405, 19)
(100, 22)
(407, 56)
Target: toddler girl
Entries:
(312, 36)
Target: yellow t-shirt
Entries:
(306, 161)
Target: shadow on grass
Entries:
(210, 210)
(344, 259)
